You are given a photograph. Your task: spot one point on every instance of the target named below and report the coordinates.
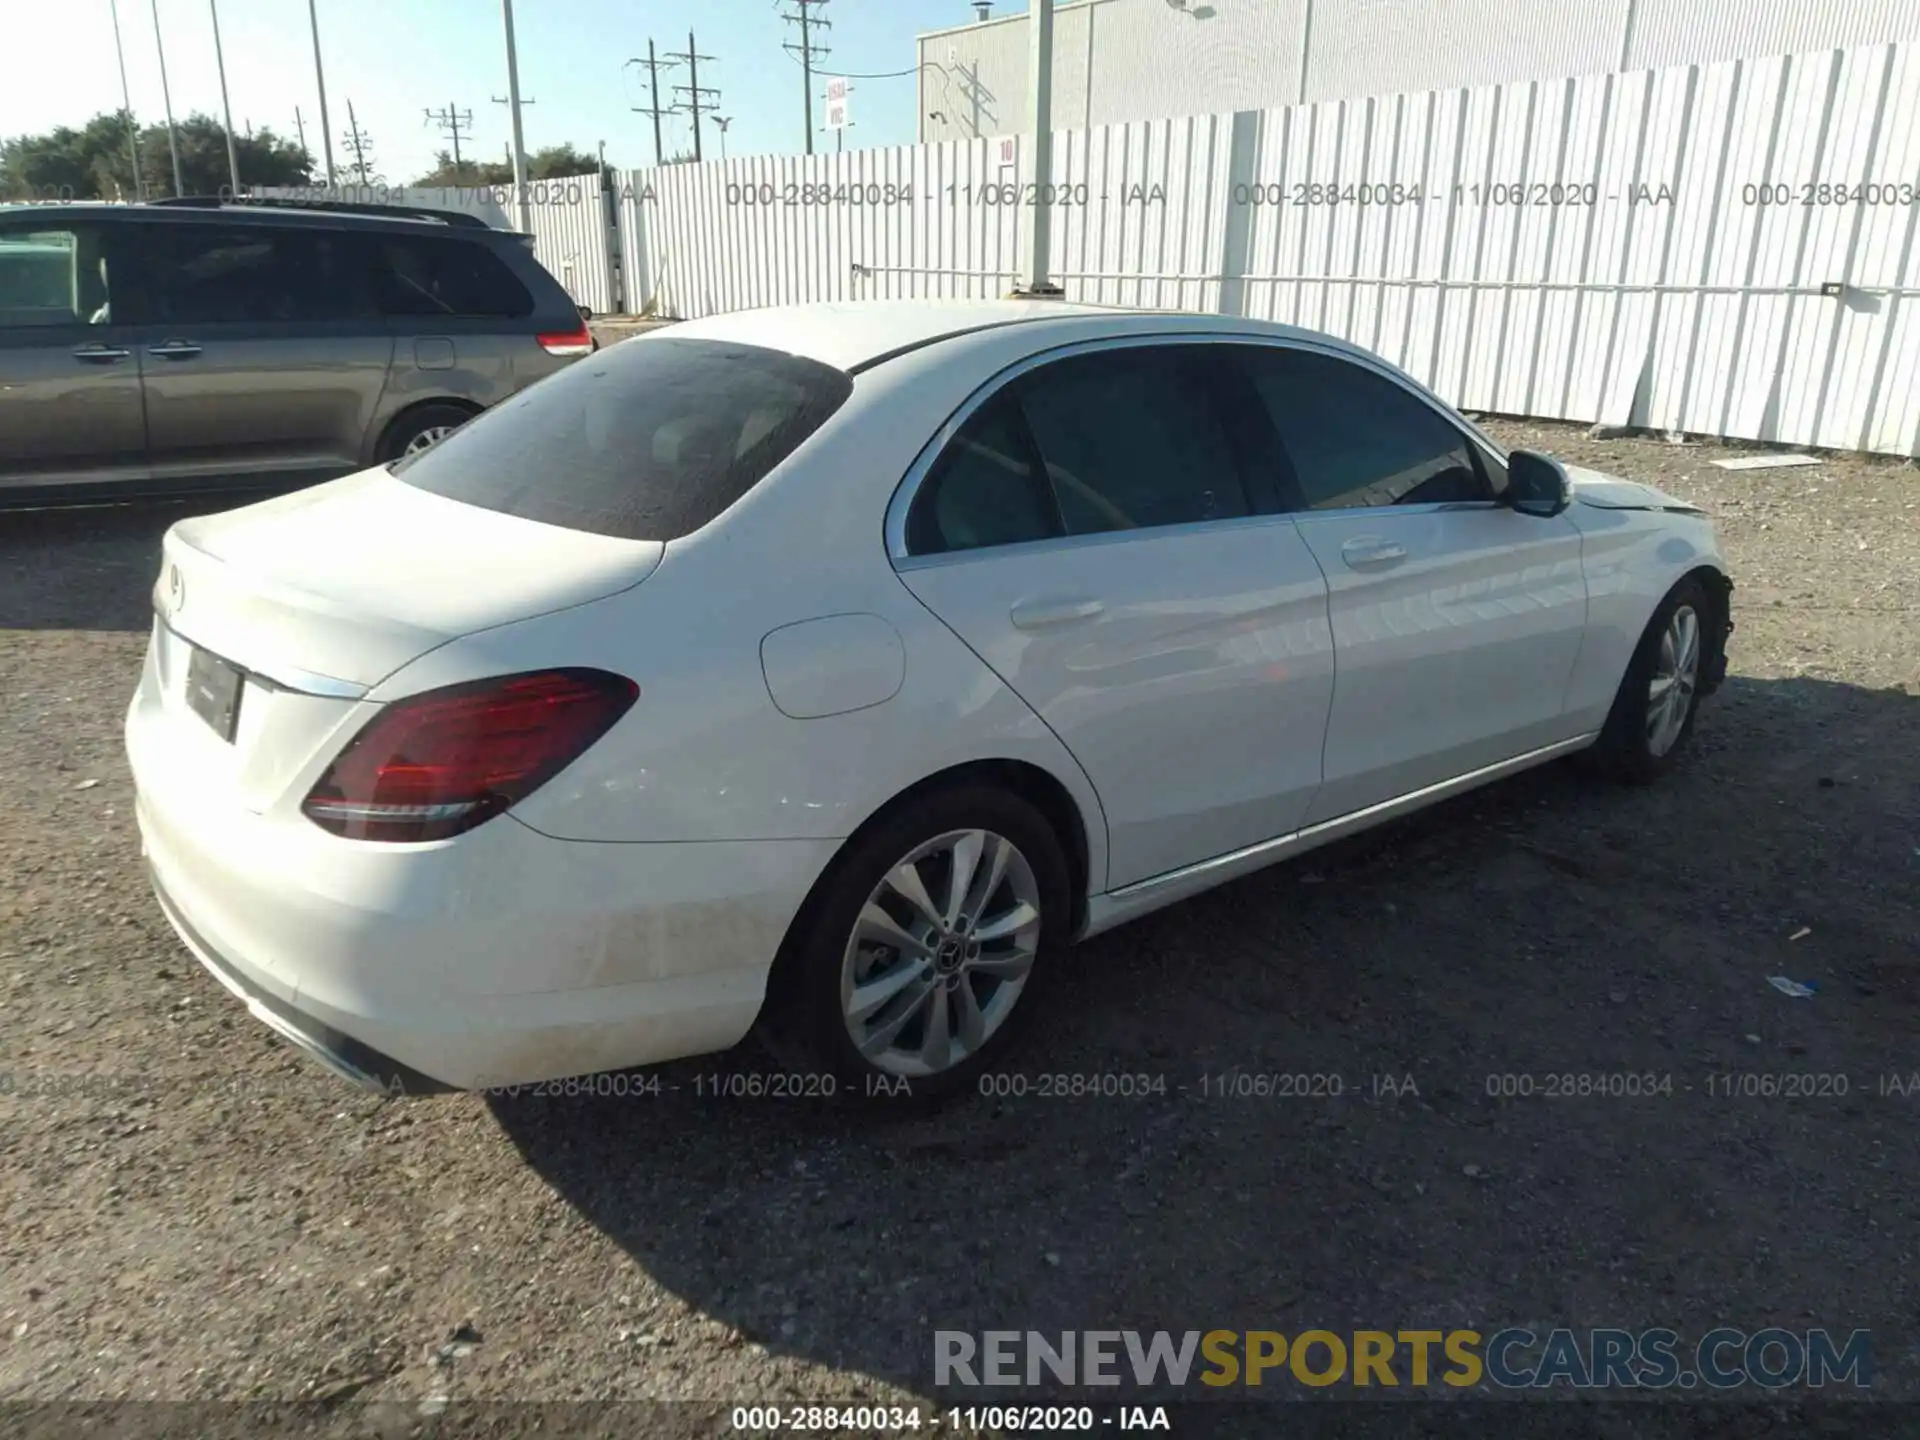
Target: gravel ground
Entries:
(232, 1223)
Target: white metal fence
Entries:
(1724, 249)
(574, 237)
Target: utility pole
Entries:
(1036, 218)
(166, 97)
(524, 209)
(694, 91)
(804, 14)
(126, 96)
(654, 66)
(357, 141)
(722, 122)
(300, 128)
(219, 59)
(320, 75)
(451, 123)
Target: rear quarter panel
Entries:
(706, 754)
(475, 361)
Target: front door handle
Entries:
(97, 353)
(174, 350)
(1367, 551)
(1040, 614)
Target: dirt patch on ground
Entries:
(193, 1211)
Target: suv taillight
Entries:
(568, 342)
(436, 764)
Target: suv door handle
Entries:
(96, 351)
(1364, 551)
(1040, 614)
(174, 350)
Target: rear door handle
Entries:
(174, 350)
(1040, 614)
(1368, 551)
(94, 352)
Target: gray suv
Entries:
(195, 345)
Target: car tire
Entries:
(419, 427)
(978, 984)
(1652, 716)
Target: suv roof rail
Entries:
(275, 202)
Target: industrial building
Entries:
(1121, 60)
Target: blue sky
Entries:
(393, 59)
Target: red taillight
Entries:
(568, 342)
(436, 764)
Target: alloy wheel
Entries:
(940, 953)
(428, 438)
(1676, 671)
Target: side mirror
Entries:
(586, 312)
(1537, 484)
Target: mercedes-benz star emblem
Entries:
(176, 587)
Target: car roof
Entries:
(858, 335)
(271, 215)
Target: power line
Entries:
(694, 91)
(452, 122)
(805, 15)
(654, 66)
(874, 74)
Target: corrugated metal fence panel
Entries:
(1141, 212)
(571, 237)
(905, 221)
(1638, 248)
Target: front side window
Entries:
(1355, 438)
(233, 274)
(644, 441)
(52, 277)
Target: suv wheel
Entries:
(421, 429)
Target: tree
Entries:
(92, 163)
(555, 162)
(470, 172)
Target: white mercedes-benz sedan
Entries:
(819, 670)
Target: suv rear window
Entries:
(647, 440)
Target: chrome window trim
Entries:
(910, 483)
(1053, 544)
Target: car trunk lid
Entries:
(332, 589)
(273, 620)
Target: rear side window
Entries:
(198, 274)
(427, 275)
(985, 489)
(647, 440)
(1132, 440)
(1124, 439)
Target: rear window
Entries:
(645, 440)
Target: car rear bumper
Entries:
(352, 1061)
(501, 957)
